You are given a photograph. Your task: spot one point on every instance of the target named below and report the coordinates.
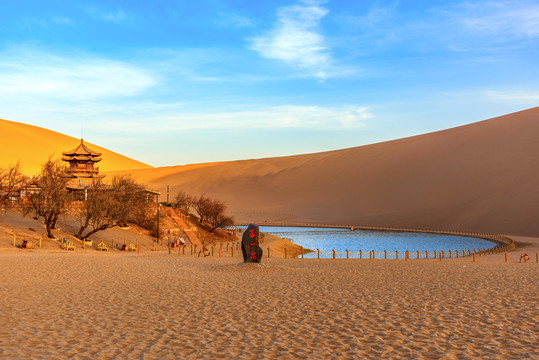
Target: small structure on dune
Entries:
(29, 189)
(82, 167)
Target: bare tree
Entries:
(213, 212)
(217, 217)
(111, 205)
(184, 200)
(11, 179)
(202, 206)
(96, 211)
(53, 198)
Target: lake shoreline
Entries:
(360, 242)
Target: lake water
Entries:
(341, 240)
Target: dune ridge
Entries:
(477, 177)
(480, 177)
(33, 145)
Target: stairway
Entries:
(183, 226)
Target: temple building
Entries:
(82, 167)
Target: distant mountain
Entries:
(479, 177)
(32, 146)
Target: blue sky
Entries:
(179, 82)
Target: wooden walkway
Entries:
(183, 226)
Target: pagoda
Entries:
(82, 169)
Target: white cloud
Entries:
(118, 16)
(172, 119)
(62, 20)
(501, 18)
(482, 25)
(63, 91)
(525, 98)
(296, 40)
(27, 73)
(459, 26)
(226, 19)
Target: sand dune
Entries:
(32, 146)
(478, 177)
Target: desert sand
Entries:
(158, 306)
(32, 146)
(479, 177)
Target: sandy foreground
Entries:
(158, 306)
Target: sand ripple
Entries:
(105, 306)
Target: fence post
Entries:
(302, 253)
(407, 254)
(396, 254)
(333, 253)
(232, 248)
(318, 251)
(434, 254)
(268, 254)
(417, 254)
(347, 253)
(505, 257)
(373, 255)
(385, 254)
(450, 254)
(441, 256)
(426, 254)
(474, 256)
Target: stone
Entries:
(252, 252)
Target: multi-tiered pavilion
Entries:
(82, 167)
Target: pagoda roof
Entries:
(81, 158)
(82, 152)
